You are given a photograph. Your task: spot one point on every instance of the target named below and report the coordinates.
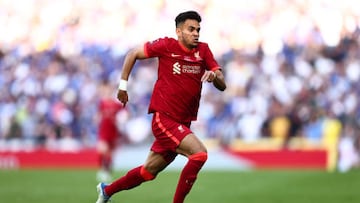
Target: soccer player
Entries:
(108, 132)
(183, 65)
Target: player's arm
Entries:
(130, 59)
(219, 80)
(129, 62)
(216, 77)
(214, 74)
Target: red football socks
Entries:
(139, 175)
(132, 179)
(189, 175)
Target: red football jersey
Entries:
(177, 90)
(108, 108)
(108, 131)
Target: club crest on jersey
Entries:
(197, 56)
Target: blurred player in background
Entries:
(183, 65)
(108, 132)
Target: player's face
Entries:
(188, 33)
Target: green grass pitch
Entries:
(267, 186)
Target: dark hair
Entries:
(182, 17)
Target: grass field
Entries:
(74, 186)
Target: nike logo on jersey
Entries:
(175, 55)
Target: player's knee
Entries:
(199, 156)
(146, 174)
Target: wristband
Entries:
(123, 85)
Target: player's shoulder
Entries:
(164, 42)
(170, 41)
(164, 39)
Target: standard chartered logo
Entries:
(190, 69)
(176, 68)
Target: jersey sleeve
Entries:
(155, 48)
(210, 62)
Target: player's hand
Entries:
(122, 97)
(208, 76)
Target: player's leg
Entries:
(108, 135)
(153, 165)
(196, 152)
(105, 161)
(177, 138)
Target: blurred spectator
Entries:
(15, 131)
(349, 156)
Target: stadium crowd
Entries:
(292, 68)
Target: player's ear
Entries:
(178, 31)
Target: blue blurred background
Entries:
(292, 69)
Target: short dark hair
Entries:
(182, 17)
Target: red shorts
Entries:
(168, 135)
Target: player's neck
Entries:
(184, 47)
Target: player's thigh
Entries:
(103, 147)
(155, 163)
(190, 145)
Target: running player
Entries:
(183, 65)
(108, 132)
